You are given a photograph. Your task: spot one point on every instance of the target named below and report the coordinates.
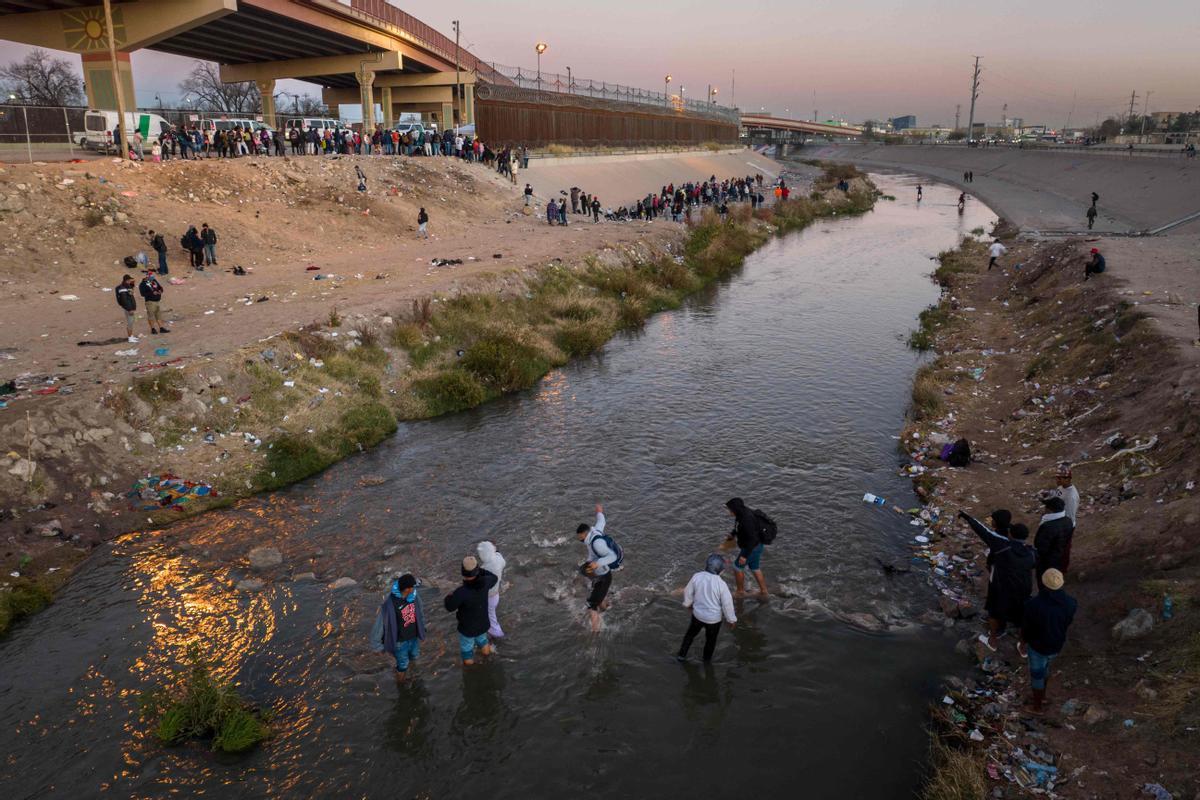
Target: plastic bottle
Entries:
(1168, 607)
(873, 500)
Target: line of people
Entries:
(1014, 568)
(400, 626)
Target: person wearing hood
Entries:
(1044, 632)
(596, 568)
(707, 595)
(750, 547)
(400, 624)
(470, 604)
(1010, 572)
(1053, 538)
(491, 560)
(191, 242)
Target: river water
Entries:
(785, 386)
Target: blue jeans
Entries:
(406, 652)
(1039, 668)
(467, 645)
(210, 254)
(162, 263)
(749, 559)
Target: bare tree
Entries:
(308, 106)
(42, 80)
(203, 84)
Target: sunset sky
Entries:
(863, 58)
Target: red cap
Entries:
(1094, 250)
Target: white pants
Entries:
(494, 629)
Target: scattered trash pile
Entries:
(27, 386)
(166, 491)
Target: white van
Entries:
(98, 127)
(308, 123)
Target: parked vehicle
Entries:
(98, 127)
(213, 124)
(308, 123)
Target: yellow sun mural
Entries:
(83, 29)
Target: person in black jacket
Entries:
(1053, 539)
(208, 238)
(1044, 632)
(750, 546)
(1010, 572)
(159, 246)
(191, 242)
(128, 302)
(470, 602)
(151, 291)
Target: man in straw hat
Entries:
(1044, 632)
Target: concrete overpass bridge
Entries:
(360, 51)
(768, 129)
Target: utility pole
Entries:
(1004, 116)
(957, 114)
(816, 116)
(1132, 101)
(457, 77)
(1146, 111)
(974, 97)
(733, 87)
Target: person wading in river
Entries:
(710, 601)
(598, 568)
(1010, 572)
(400, 624)
(747, 533)
(470, 602)
(491, 561)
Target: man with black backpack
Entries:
(752, 530)
(604, 558)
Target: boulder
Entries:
(1136, 624)
(1071, 707)
(391, 550)
(304, 577)
(868, 622)
(265, 558)
(47, 529)
(250, 585)
(343, 583)
(1096, 714)
(23, 469)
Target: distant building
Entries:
(907, 121)
(1163, 119)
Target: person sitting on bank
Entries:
(1044, 632)
(1095, 265)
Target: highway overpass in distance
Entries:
(768, 126)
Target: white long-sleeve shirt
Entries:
(598, 550)
(1070, 498)
(997, 250)
(709, 598)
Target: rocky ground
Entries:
(1035, 368)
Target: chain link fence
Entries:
(40, 133)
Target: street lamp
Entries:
(667, 90)
(682, 104)
(570, 82)
(540, 47)
(713, 97)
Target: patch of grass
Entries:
(967, 257)
(505, 363)
(448, 391)
(1039, 365)
(201, 706)
(335, 319)
(956, 773)
(366, 425)
(977, 231)
(25, 598)
(930, 322)
(161, 388)
(927, 400)
(407, 336)
(291, 458)
(577, 338)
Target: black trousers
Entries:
(711, 631)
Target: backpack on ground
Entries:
(131, 262)
(767, 529)
(613, 547)
(960, 454)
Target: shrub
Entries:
(504, 363)
(448, 391)
(161, 388)
(200, 706)
(24, 599)
(366, 425)
(581, 338)
(407, 335)
(926, 395)
(931, 319)
(291, 458)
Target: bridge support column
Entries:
(781, 149)
(98, 79)
(366, 93)
(267, 90)
(468, 104)
(386, 101)
(446, 117)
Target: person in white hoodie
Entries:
(491, 560)
(710, 600)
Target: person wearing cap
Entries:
(1068, 493)
(151, 291)
(1010, 572)
(1044, 632)
(400, 624)
(1053, 538)
(1094, 266)
(710, 600)
(470, 603)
